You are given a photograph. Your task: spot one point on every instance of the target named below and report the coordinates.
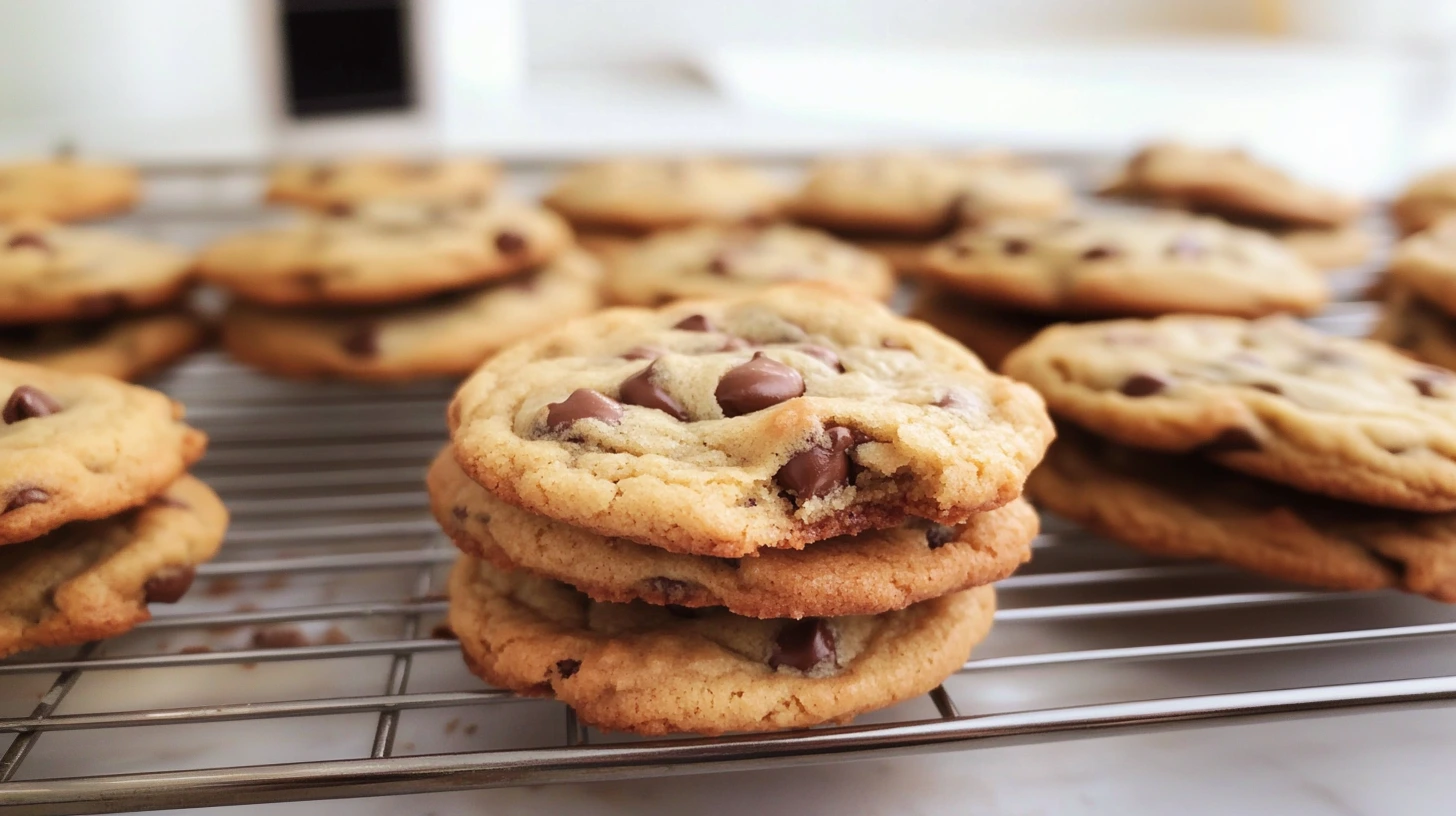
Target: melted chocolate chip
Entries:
(643, 353)
(362, 342)
(804, 645)
(1232, 440)
(567, 668)
(1426, 383)
(23, 240)
(697, 323)
(818, 471)
(959, 399)
(1099, 253)
(169, 584)
(510, 242)
(27, 496)
(1143, 385)
(718, 265)
(583, 403)
(1015, 246)
(1269, 388)
(938, 535)
(460, 513)
(823, 354)
(339, 210)
(641, 389)
(28, 402)
(760, 383)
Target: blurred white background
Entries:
(1354, 92)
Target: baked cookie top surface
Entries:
(50, 272)
(123, 347)
(385, 251)
(645, 194)
(1230, 182)
(1428, 199)
(872, 572)
(94, 579)
(660, 670)
(76, 447)
(65, 189)
(722, 261)
(720, 427)
(1352, 419)
(1127, 264)
(446, 335)
(1182, 506)
(322, 185)
(913, 194)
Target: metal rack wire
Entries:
(304, 664)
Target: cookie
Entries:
(991, 333)
(866, 574)
(1332, 248)
(642, 195)
(660, 670)
(1230, 182)
(384, 252)
(1351, 419)
(1182, 507)
(924, 195)
(126, 348)
(449, 335)
(721, 427)
(1426, 264)
(1127, 265)
(82, 447)
(1416, 326)
(50, 272)
(718, 261)
(65, 189)
(94, 579)
(1428, 199)
(324, 185)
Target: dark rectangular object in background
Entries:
(345, 56)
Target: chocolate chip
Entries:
(583, 403)
(509, 242)
(27, 496)
(938, 535)
(1015, 246)
(1186, 246)
(28, 402)
(21, 240)
(671, 589)
(824, 354)
(1099, 253)
(697, 323)
(760, 383)
(460, 513)
(169, 584)
(959, 399)
(362, 342)
(339, 210)
(819, 470)
(567, 668)
(1426, 383)
(718, 265)
(643, 353)
(1232, 440)
(1143, 385)
(642, 389)
(804, 645)
(1269, 388)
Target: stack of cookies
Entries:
(98, 517)
(92, 301)
(1317, 224)
(1419, 289)
(398, 288)
(1263, 443)
(733, 515)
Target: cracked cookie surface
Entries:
(720, 427)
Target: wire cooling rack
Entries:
(307, 664)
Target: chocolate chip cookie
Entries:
(65, 189)
(924, 195)
(1426, 264)
(641, 195)
(1351, 419)
(721, 427)
(1127, 264)
(660, 670)
(325, 185)
(94, 579)
(1329, 248)
(1416, 326)
(1230, 182)
(866, 574)
(1180, 506)
(1428, 199)
(717, 261)
(50, 272)
(81, 447)
(448, 335)
(126, 348)
(384, 252)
